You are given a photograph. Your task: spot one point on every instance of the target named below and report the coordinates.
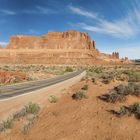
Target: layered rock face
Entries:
(70, 47)
(53, 40)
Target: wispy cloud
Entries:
(39, 10)
(7, 12)
(82, 12)
(125, 27)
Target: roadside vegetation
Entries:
(12, 74)
(29, 113)
(106, 74)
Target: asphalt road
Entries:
(22, 88)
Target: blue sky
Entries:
(113, 24)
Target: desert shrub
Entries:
(122, 77)
(29, 125)
(93, 80)
(132, 109)
(133, 89)
(69, 69)
(113, 97)
(123, 111)
(135, 109)
(121, 89)
(120, 92)
(134, 77)
(79, 95)
(28, 109)
(106, 81)
(52, 99)
(97, 70)
(6, 124)
(20, 113)
(107, 78)
(85, 87)
(32, 108)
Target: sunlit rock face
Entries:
(69, 48)
(53, 40)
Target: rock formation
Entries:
(53, 40)
(115, 55)
(70, 47)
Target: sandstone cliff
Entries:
(70, 47)
(53, 40)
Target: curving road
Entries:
(22, 88)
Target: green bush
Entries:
(32, 108)
(7, 124)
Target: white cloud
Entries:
(83, 12)
(7, 12)
(42, 10)
(127, 26)
(3, 44)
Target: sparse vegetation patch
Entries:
(120, 92)
(53, 99)
(79, 95)
(30, 109)
(128, 110)
(85, 87)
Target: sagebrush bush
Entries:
(52, 99)
(85, 87)
(132, 109)
(107, 78)
(79, 95)
(120, 92)
(123, 111)
(32, 108)
(121, 89)
(113, 97)
(20, 113)
(6, 124)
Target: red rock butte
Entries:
(70, 48)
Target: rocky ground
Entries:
(80, 114)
